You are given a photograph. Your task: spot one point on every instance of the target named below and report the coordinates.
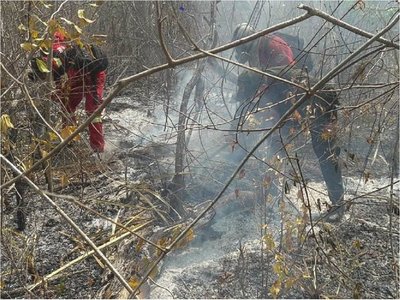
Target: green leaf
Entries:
(42, 66)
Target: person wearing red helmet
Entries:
(263, 53)
(273, 54)
(81, 83)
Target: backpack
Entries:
(89, 58)
(303, 59)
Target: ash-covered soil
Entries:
(356, 258)
(235, 255)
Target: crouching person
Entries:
(320, 114)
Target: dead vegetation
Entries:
(113, 228)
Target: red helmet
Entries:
(59, 44)
(59, 37)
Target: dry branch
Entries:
(333, 20)
(121, 84)
(296, 105)
(70, 222)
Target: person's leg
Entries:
(74, 91)
(94, 98)
(327, 151)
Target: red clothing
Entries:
(82, 85)
(273, 51)
(78, 86)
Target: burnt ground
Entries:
(232, 256)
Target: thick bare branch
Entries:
(295, 106)
(333, 20)
(121, 84)
(160, 20)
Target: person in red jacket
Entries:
(272, 52)
(263, 53)
(80, 84)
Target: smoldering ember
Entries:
(200, 149)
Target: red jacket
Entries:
(273, 51)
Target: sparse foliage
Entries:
(169, 60)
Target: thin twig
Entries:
(123, 83)
(296, 105)
(70, 222)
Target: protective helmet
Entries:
(59, 43)
(242, 51)
(59, 37)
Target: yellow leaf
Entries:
(277, 267)
(43, 152)
(81, 16)
(2, 284)
(53, 26)
(269, 241)
(5, 124)
(67, 21)
(290, 282)
(189, 236)
(64, 181)
(28, 46)
(134, 282)
(22, 27)
(52, 136)
(34, 34)
(45, 45)
(67, 131)
(275, 288)
(78, 29)
(42, 66)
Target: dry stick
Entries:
(25, 90)
(71, 222)
(170, 60)
(305, 97)
(281, 79)
(323, 15)
(77, 202)
(53, 275)
(121, 84)
(391, 205)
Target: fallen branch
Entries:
(56, 274)
(70, 222)
(296, 105)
